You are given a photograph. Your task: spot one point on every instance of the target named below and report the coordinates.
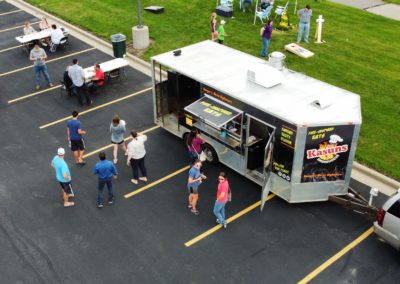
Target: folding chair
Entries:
(63, 44)
(280, 10)
(263, 14)
(226, 3)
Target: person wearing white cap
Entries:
(63, 176)
(221, 32)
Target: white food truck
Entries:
(292, 134)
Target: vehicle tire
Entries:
(212, 156)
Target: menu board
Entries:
(326, 153)
(285, 138)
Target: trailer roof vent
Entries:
(264, 75)
(321, 102)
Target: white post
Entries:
(255, 11)
(320, 20)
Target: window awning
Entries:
(212, 111)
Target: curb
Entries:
(360, 172)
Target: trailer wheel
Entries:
(211, 155)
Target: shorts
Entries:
(66, 187)
(119, 143)
(193, 190)
(77, 145)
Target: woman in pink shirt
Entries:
(222, 199)
(194, 142)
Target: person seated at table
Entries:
(44, 24)
(56, 36)
(28, 29)
(67, 82)
(98, 79)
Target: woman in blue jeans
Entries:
(266, 32)
(38, 56)
(222, 199)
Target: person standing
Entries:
(136, 155)
(77, 76)
(222, 199)
(266, 32)
(213, 25)
(221, 32)
(75, 139)
(304, 24)
(106, 171)
(194, 180)
(194, 141)
(117, 129)
(63, 176)
(38, 56)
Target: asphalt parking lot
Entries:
(148, 236)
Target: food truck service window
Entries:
(212, 112)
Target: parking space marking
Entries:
(33, 94)
(11, 12)
(128, 195)
(10, 48)
(229, 220)
(96, 108)
(126, 139)
(17, 27)
(334, 258)
(48, 61)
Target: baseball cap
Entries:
(60, 151)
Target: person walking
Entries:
(136, 155)
(77, 76)
(304, 24)
(221, 32)
(222, 199)
(38, 56)
(194, 142)
(266, 32)
(106, 171)
(117, 129)
(194, 180)
(63, 176)
(75, 139)
(213, 25)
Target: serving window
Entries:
(216, 119)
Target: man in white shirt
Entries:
(77, 75)
(136, 154)
(56, 35)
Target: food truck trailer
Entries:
(292, 134)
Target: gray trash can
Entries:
(119, 45)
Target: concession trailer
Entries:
(292, 134)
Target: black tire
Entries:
(212, 156)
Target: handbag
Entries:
(202, 156)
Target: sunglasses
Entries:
(220, 178)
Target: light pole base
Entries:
(140, 37)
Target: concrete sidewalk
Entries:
(378, 7)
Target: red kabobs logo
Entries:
(328, 151)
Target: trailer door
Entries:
(269, 148)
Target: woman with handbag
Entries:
(222, 199)
(194, 141)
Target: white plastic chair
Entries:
(226, 3)
(280, 10)
(264, 14)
